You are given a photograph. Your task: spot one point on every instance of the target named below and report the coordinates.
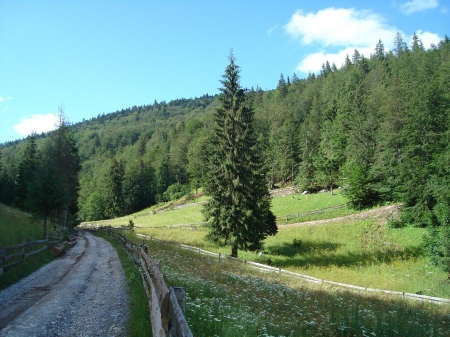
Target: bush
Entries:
(175, 191)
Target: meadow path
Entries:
(81, 293)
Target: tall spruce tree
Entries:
(26, 170)
(239, 208)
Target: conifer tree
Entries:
(26, 170)
(114, 189)
(239, 208)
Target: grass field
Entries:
(168, 214)
(228, 299)
(358, 252)
(14, 227)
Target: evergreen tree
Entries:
(26, 170)
(282, 86)
(380, 53)
(67, 162)
(45, 195)
(8, 178)
(239, 208)
(115, 201)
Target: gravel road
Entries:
(81, 293)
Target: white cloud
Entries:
(313, 62)
(428, 38)
(339, 27)
(414, 6)
(5, 99)
(36, 123)
(346, 29)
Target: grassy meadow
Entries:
(14, 227)
(229, 299)
(183, 212)
(360, 252)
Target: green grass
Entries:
(228, 299)
(353, 252)
(359, 252)
(139, 322)
(281, 206)
(14, 227)
(298, 203)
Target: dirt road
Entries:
(81, 293)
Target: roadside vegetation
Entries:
(139, 322)
(15, 226)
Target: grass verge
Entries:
(139, 323)
(15, 226)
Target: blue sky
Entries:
(97, 57)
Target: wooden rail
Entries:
(166, 304)
(22, 255)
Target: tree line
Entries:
(378, 126)
(44, 181)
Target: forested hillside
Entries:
(378, 126)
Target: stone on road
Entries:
(81, 293)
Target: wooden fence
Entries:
(20, 256)
(166, 304)
(282, 272)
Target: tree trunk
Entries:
(234, 251)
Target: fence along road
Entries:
(81, 293)
(266, 268)
(167, 305)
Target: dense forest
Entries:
(378, 127)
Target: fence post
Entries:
(23, 248)
(178, 326)
(2, 257)
(181, 298)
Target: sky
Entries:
(94, 57)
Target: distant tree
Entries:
(68, 165)
(282, 86)
(239, 208)
(399, 45)
(380, 52)
(45, 195)
(26, 170)
(8, 178)
(115, 202)
(416, 44)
